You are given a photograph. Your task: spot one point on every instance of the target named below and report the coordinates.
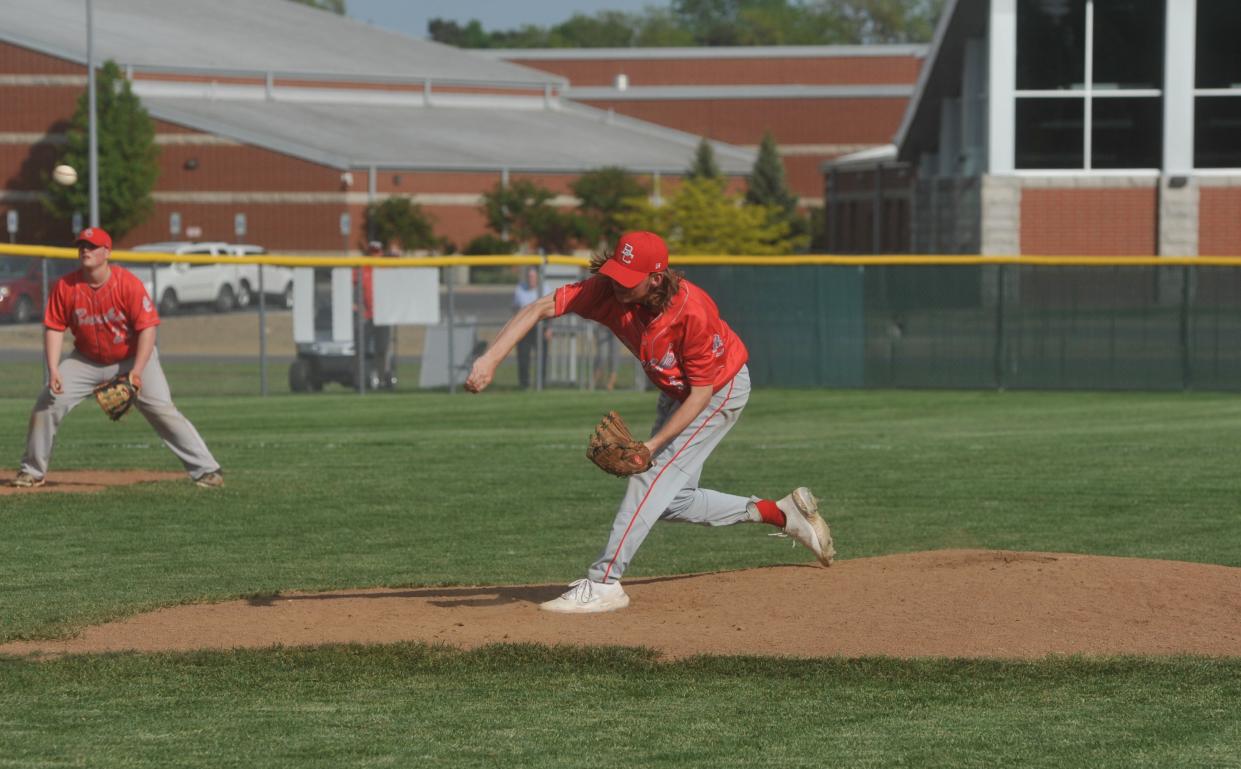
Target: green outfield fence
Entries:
(934, 321)
(986, 326)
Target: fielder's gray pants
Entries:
(669, 490)
(79, 376)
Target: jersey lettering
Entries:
(105, 321)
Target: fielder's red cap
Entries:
(637, 255)
(96, 236)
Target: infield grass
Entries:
(336, 491)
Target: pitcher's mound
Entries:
(88, 481)
(951, 603)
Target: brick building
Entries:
(293, 116)
(1075, 127)
(818, 102)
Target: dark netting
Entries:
(986, 326)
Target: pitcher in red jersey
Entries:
(699, 365)
(113, 323)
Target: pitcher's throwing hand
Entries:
(481, 374)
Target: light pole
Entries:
(92, 128)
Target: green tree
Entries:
(401, 220)
(488, 245)
(718, 22)
(766, 184)
(335, 6)
(891, 21)
(701, 218)
(523, 212)
(659, 28)
(128, 157)
(816, 230)
(607, 29)
(703, 165)
(472, 35)
(606, 194)
(714, 21)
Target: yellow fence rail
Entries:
(296, 260)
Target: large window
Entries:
(1217, 85)
(1089, 84)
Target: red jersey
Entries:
(105, 321)
(686, 345)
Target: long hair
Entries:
(661, 295)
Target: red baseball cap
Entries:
(637, 255)
(96, 236)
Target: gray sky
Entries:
(410, 16)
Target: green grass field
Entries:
(336, 491)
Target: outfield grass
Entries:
(336, 491)
(191, 378)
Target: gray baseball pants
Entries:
(79, 376)
(669, 490)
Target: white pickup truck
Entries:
(222, 285)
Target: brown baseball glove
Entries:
(613, 448)
(116, 396)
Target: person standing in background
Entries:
(528, 290)
(379, 338)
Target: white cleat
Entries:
(25, 480)
(804, 524)
(586, 597)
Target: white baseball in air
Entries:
(64, 175)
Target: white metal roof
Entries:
(245, 35)
(881, 154)
(570, 138)
(340, 125)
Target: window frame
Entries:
(1088, 93)
(1233, 92)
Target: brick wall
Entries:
(791, 121)
(239, 168)
(1097, 221)
(16, 60)
(1219, 221)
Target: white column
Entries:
(1001, 83)
(1178, 87)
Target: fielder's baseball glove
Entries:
(614, 449)
(116, 396)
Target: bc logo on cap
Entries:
(627, 253)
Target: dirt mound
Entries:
(952, 603)
(88, 481)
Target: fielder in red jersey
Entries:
(691, 354)
(113, 323)
(106, 320)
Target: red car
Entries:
(21, 285)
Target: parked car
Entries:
(21, 285)
(224, 286)
(277, 281)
